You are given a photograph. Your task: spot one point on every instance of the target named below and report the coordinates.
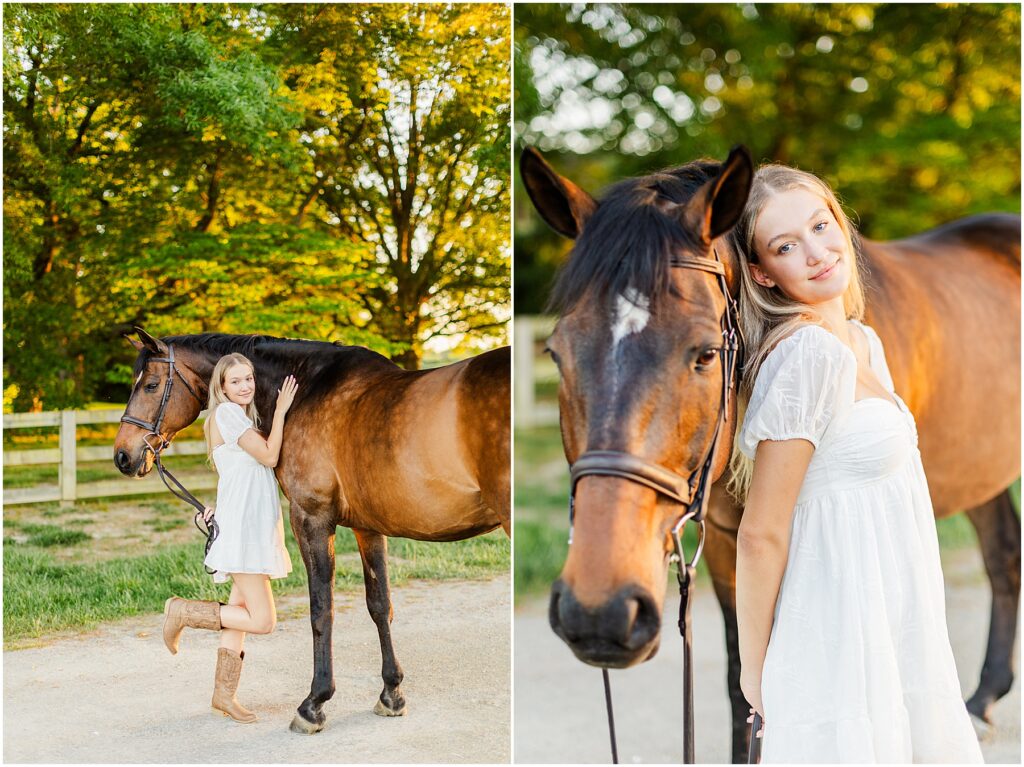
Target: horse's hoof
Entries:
(304, 727)
(982, 729)
(381, 710)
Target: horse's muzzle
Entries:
(620, 633)
(125, 465)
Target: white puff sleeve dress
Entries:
(251, 537)
(859, 666)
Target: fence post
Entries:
(68, 459)
(524, 393)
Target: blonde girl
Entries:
(249, 548)
(843, 642)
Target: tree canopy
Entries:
(325, 171)
(910, 111)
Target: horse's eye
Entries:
(151, 387)
(554, 357)
(707, 357)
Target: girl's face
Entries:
(801, 248)
(239, 384)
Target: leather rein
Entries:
(153, 430)
(690, 492)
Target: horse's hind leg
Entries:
(316, 542)
(373, 548)
(998, 529)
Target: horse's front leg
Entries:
(373, 548)
(316, 542)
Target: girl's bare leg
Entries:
(233, 639)
(253, 614)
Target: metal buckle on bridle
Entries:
(678, 556)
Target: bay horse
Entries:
(367, 445)
(635, 345)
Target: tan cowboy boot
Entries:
(229, 669)
(179, 613)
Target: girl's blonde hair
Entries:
(766, 314)
(217, 396)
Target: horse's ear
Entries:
(560, 202)
(138, 346)
(148, 342)
(716, 207)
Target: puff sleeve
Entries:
(806, 383)
(232, 421)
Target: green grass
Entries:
(541, 516)
(44, 595)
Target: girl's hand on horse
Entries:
(286, 394)
(208, 514)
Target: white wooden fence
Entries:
(68, 455)
(532, 367)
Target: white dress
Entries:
(859, 666)
(251, 537)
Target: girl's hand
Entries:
(752, 691)
(286, 395)
(208, 514)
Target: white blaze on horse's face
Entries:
(631, 314)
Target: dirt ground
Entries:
(559, 702)
(117, 695)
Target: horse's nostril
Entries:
(121, 459)
(643, 620)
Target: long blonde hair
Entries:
(767, 314)
(217, 396)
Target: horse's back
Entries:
(946, 304)
(410, 469)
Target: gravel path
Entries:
(559, 702)
(117, 695)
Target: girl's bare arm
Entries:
(762, 549)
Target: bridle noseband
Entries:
(690, 492)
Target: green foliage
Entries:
(910, 111)
(187, 167)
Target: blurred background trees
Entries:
(336, 172)
(910, 111)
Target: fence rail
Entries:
(68, 455)
(533, 368)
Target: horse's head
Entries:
(639, 350)
(165, 399)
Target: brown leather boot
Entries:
(229, 669)
(179, 613)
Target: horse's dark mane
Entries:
(631, 237)
(318, 364)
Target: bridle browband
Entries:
(153, 428)
(690, 492)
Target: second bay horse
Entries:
(638, 348)
(367, 445)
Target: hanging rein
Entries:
(207, 528)
(690, 492)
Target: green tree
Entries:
(229, 167)
(407, 124)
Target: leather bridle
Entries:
(690, 492)
(153, 428)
